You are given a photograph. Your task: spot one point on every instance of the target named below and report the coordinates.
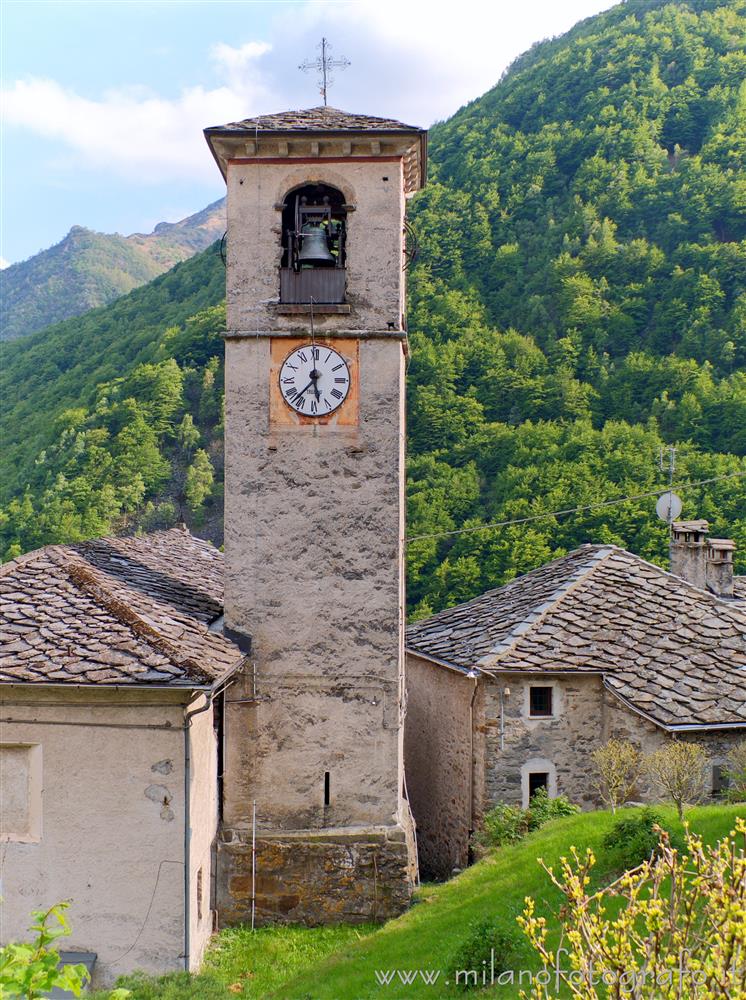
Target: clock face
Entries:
(314, 380)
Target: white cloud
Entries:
(135, 132)
(4, 263)
(417, 60)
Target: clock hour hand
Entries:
(315, 376)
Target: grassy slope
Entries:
(427, 936)
(339, 963)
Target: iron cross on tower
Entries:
(324, 64)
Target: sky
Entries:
(103, 103)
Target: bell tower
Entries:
(314, 515)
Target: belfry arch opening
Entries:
(314, 252)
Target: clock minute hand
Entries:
(307, 388)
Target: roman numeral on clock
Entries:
(336, 393)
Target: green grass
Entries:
(340, 963)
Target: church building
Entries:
(187, 740)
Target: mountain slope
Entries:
(579, 302)
(88, 269)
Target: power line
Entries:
(573, 510)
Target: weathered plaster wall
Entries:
(375, 281)
(438, 748)
(314, 523)
(112, 822)
(313, 552)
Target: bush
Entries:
(28, 971)
(636, 838)
(506, 824)
(473, 964)
(541, 809)
(617, 765)
(502, 825)
(679, 770)
(736, 772)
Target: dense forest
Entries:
(578, 303)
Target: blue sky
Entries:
(104, 102)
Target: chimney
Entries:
(688, 541)
(719, 566)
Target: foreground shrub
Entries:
(672, 927)
(31, 970)
(635, 838)
(488, 949)
(617, 764)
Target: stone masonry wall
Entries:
(586, 716)
(438, 764)
(342, 877)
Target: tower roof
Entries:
(321, 119)
(321, 132)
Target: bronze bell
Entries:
(314, 248)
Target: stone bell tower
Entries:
(314, 515)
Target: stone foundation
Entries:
(315, 876)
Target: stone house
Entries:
(111, 707)
(512, 691)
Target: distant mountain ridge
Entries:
(88, 269)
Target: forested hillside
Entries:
(579, 301)
(89, 269)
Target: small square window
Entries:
(540, 703)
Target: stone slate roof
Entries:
(739, 587)
(116, 611)
(321, 119)
(673, 652)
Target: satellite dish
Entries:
(668, 507)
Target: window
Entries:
(314, 236)
(719, 780)
(20, 781)
(536, 773)
(540, 702)
(537, 780)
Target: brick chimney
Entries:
(719, 566)
(688, 543)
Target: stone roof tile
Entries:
(319, 119)
(685, 653)
(116, 611)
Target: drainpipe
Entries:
(473, 675)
